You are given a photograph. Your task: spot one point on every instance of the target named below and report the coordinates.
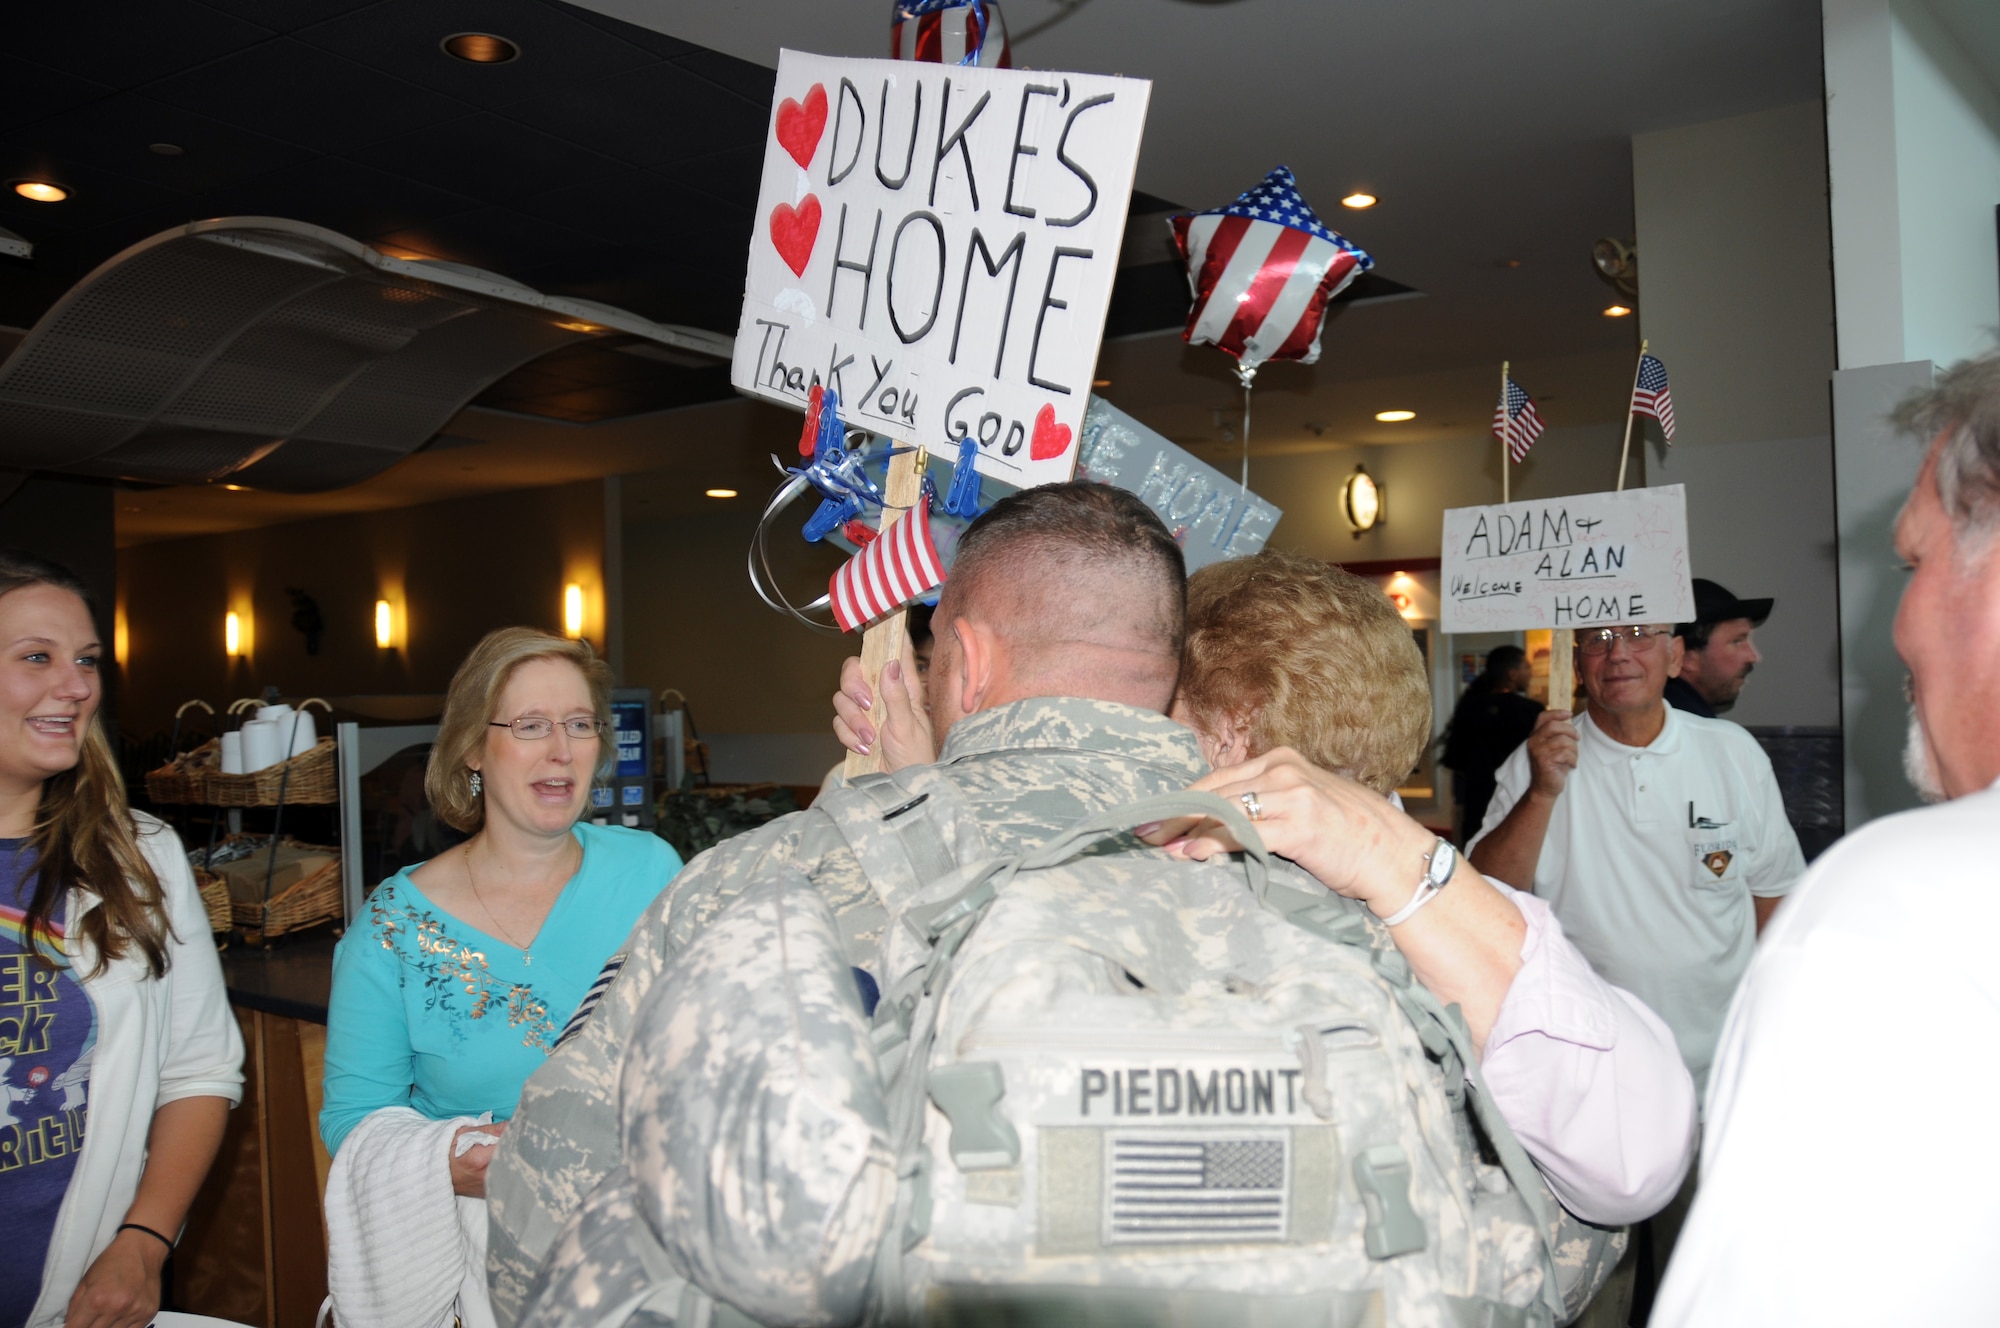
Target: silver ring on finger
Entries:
(1251, 807)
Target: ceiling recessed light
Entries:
(1616, 311)
(1395, 416)
(1358, 200)
(480, 48)
(236, 488)
(166, 149)
(720, 493)
(40, 191)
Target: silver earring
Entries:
(477, 783)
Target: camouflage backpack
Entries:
(1101, 1087)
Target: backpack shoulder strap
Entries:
(907, 830)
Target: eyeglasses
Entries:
(1599, 641)
(533, 728)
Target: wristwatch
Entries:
(1439, 864)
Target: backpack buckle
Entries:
(1382, 1175)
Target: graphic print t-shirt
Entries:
(48, 1030)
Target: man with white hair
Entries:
(1848, 1174)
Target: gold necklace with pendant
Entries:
(527, 959)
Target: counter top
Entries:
(293, 979)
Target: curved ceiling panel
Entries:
(275, 355)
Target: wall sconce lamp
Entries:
(1362, 499)
(232, 635)
(392, 624)
(572, 610)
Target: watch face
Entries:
(1443, 858)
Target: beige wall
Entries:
(1421, 480)
(1736, 296)
(460, 569)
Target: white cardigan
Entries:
(158, 1040)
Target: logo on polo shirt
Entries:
(1718, 861)
(1704, 823)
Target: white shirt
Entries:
(1651, 858)
(1849, 1175)
(158, 1040)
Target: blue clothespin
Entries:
(831, 516)
(963, 500)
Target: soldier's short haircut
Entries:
(1964, 405)
(1085, 531)
(1311, 657)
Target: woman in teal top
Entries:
(458, 978)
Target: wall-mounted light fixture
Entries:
(391, 624)
(1361, 498)
(232, 635)
(572, 610)
(121, 636)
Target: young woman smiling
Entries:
(112, 1009)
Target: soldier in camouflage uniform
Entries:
(1106, 616)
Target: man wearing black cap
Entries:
(1718, 653)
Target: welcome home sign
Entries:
(937, 244)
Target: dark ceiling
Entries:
(607, 162)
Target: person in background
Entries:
(1659, 839)
(1493, 718)
(1871, 1010)
(462, 971)
(112, 1008)
(1717, 654)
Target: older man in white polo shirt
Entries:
(1659, 839)
(1850, 1177)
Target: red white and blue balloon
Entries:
(1262, 271)
(950, 32)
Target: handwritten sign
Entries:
(937, 244)
(1208, 512)
(1593, 560)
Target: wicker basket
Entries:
(215, 898)
(185, 777)
(310, 777)
(306, 903)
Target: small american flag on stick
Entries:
(891, 570)
(1651, 397)
(1516, 421)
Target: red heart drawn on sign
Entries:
(1051, 439)
(799, 126)
(793, 232)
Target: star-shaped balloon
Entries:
(1262, 271)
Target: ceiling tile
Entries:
(483, 156)
(341, 195)
(756, 84)
(659, 43)
(31, 91)
(301, 94)
(128, 44)
(625, 207)
(558, 50)
(114, 133)
(650, 116)
(288, 15)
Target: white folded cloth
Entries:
(403, 1251)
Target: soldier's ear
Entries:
(980, 663)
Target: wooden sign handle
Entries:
(1562, 669)
(883, 641)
